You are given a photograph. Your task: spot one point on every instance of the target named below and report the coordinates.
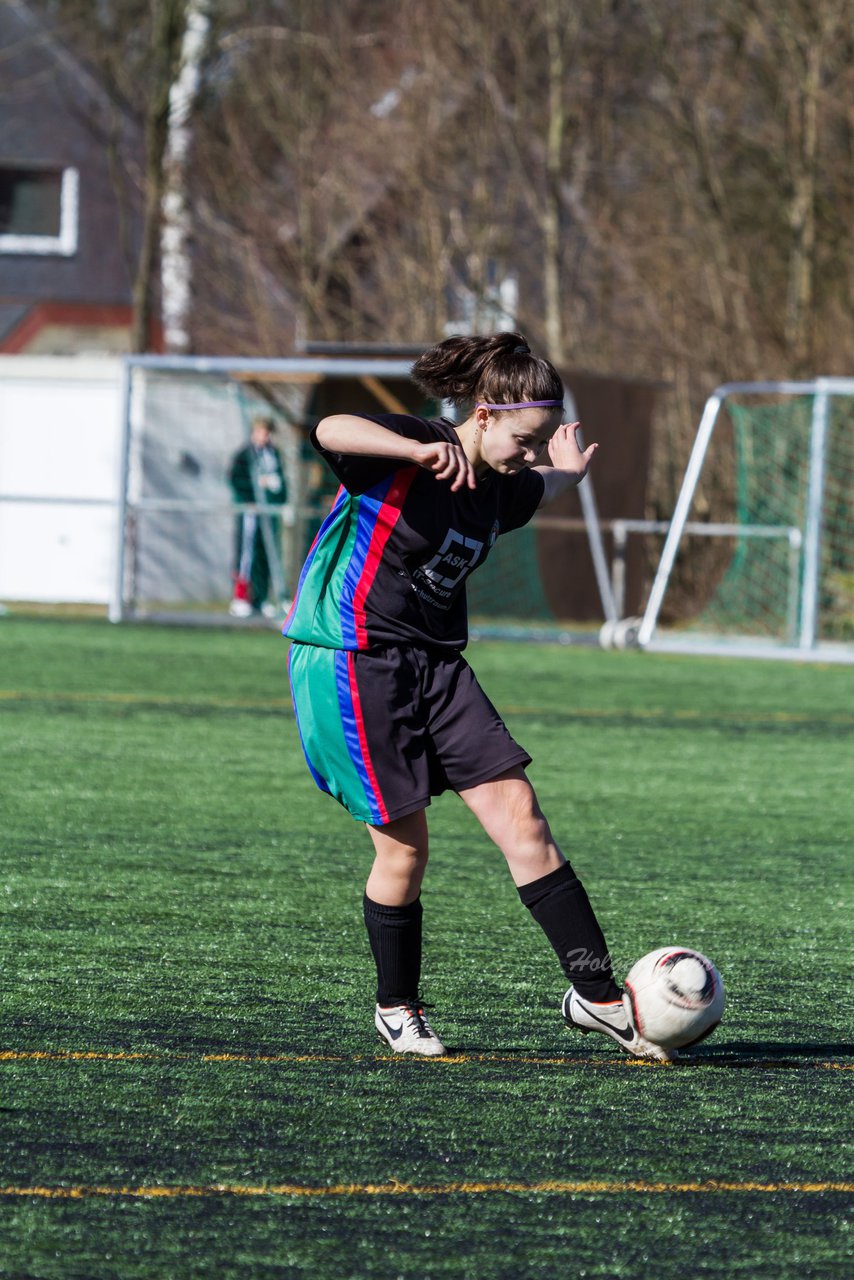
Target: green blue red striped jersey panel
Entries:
(329, 606)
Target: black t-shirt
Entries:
(390, 562)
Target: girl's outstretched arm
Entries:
(345, 433)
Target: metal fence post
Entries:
(618, 566)
(813, 523)
(115, 610)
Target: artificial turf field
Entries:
(191, 1083)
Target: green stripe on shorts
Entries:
(315, 690)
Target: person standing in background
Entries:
(256, 475)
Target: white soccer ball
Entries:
(677, 996)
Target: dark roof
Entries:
(43, 51)
(54, 115)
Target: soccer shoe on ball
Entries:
(611, 1019)
(676, 996)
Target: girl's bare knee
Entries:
(401, 850)
(510, 813)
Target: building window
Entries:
(38, 210)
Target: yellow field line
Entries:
(98, 1055)
(151, 700)
(295, 1190)
(285, 704)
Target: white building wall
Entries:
(60, 447)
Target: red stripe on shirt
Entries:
(387, 517)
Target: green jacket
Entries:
(247, 465)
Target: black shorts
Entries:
(383, 730)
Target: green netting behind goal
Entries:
(837, 577)
(509, 588)
(760, 574)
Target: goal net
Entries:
(760, 550)
(182, 521)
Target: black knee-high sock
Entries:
(559, 904)
(395, 937)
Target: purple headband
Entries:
(524, 404)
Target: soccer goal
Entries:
(766, 510)
(184, 420)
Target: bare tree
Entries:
(805, 44)
(134, 47)
(166, 32)
(667, 184)
(176, 222)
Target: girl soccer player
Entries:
(388, 710)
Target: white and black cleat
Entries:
(611, 1019)
(406, 1029)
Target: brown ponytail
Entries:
(499, 369)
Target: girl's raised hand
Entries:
(447, 462)
(566, 453)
